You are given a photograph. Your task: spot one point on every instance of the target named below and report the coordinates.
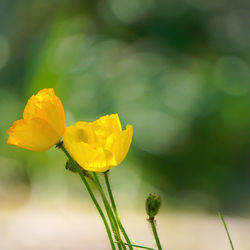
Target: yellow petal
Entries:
(47, 106)
(43, 122)
(104, 127)
(119, 143)
(108, 123)
(99, 145)
(33, 134)
(79, 142)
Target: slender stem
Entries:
(157, 240)
(138, 246)
(109, 213)
(225, 226)
(91, 194)
(115, 210)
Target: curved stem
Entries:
(109, 213)
(90, 193)
(115, 210)
(157, 240)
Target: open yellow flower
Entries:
(100, 145)
(43, 123)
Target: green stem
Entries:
(157, 240)
(90, 193)
(115, 210)
(225, 226)
(109, 213)
(138, 246)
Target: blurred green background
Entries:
(177, 70)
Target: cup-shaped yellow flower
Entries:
(43, 123)
(100, 145)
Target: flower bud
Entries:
(69, 166)
(153, 204)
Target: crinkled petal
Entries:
(82, 132)
(105, 126)
(99, 145)
(108, 123)
(88, 156)
(47, 106)
(119, 143)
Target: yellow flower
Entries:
(43, 122)
(100, 145)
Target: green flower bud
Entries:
(69, 166)
(153, 204)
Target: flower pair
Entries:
(95, 146)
